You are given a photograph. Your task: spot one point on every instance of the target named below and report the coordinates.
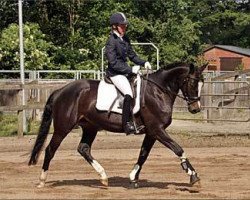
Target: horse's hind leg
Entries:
(49, 154)
(146, 147)
(165, 139)
(84, 149)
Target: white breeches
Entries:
(122, 83)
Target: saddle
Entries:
(111, 100)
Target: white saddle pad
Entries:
(107, 93)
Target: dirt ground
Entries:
(219, 153)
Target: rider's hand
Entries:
(136, 69)
(147, 66)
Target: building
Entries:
(227, 58)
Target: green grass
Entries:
(8, 125)
(32, 127)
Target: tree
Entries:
(38, 51)
(8, 13)
(172, 30)
(78, 29)
(223, 22)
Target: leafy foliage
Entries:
(69, 34)
(37, 50)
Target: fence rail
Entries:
(20, 108)
(216, 95)
(98, 74)
(40, 75)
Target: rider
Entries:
(117, 49)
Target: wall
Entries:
(214, 54)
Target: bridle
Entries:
(186, 97)
(190, 99)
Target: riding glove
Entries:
(147, 66)
(136, 69)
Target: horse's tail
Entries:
(43, 131)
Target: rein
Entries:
(167, 90)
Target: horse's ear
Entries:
(201, 69)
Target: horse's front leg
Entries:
(164, 138)
(147, 145)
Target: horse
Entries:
(74, 104)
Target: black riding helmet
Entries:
(118, 18)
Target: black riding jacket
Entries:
(117, 51)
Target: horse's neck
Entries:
(161, 78)
(160, 91)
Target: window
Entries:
(229, 63)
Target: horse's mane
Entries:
(174, 65)
(166, 69)
(171, 66)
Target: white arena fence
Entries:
(222, 100)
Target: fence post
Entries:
(210, 91)
(208, 100)
(20, 116)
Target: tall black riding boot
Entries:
(127, 123)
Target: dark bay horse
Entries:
(74, 105)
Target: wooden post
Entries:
(20, 123)
(208, 100)
(210, 91)
(20, 116)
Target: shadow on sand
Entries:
(123, 182)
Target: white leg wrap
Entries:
(43, 178)
(100, 170)
(189, 171)
(183, 157)
(133, 172)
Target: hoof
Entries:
(41, 184)
(197, 185)
(105, 182)
(134, 185)
(194, 179)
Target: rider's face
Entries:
(122, 29)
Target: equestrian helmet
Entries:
(118, 18)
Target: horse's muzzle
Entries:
(194, 107)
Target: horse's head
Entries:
(192, 82)
(184, 77)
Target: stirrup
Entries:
(129, 128)
(138, 129)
